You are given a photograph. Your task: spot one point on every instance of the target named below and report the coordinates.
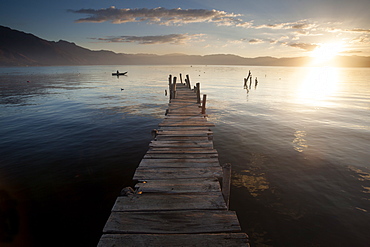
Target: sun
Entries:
(325, 53)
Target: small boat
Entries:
(118, 74)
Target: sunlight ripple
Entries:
(317, 85)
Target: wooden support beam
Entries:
(226, 182)
(188, 81)
(204, 103)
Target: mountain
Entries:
(23, 49)
(20, 49)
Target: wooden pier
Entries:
(177, 200)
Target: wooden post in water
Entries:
(226, 181)
(170, 86)
(180, 78)
(198, 92)
(174, 87)
(187, 77)
(204, 103)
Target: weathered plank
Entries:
(183, 138)
(185, 117)
(179, 186)
(184, 108)
(146, 173)
(179, 163)
(174, 240)
(184, 144)
(187, 124)
(179, 156)
(163, 202)
(185, 129)
(181, 151)
(191, 122)
(185, 132)
(167, 222)
(177, 160)
(185, 120)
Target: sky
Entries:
(277, 28)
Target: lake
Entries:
(298, 143)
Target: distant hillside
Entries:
(20, 49)
(23, 49)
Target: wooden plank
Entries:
(174, 240)
(185, 132)
(185, 129)
(146, 173)
(178, 162)
(185, 110)
(181, 151)
(183, 114)
(168, 222)
(179, 143)
(179, 156)
(184, 107)
(163, 202)
(178, 117)
(185, 119)
(179, 186)
(207, 124)
(184, 100)
(188, 146)
(183, 138)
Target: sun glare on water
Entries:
(318, 84)
(325, 53)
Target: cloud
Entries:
(161, 16)
(158, 39)
(358, 30)
(350, 52)
(302, 46)
(299, 25)
(256, 41)
(363, 40)
(268, 40)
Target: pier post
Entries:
(170, 86)
(180, 78)
(226, 181)
(188, 81)
(204, 103)
(198, 92)
(174, 87)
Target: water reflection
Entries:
(299, 142)
(318, 84)
(251, 179)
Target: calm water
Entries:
(298, 144)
